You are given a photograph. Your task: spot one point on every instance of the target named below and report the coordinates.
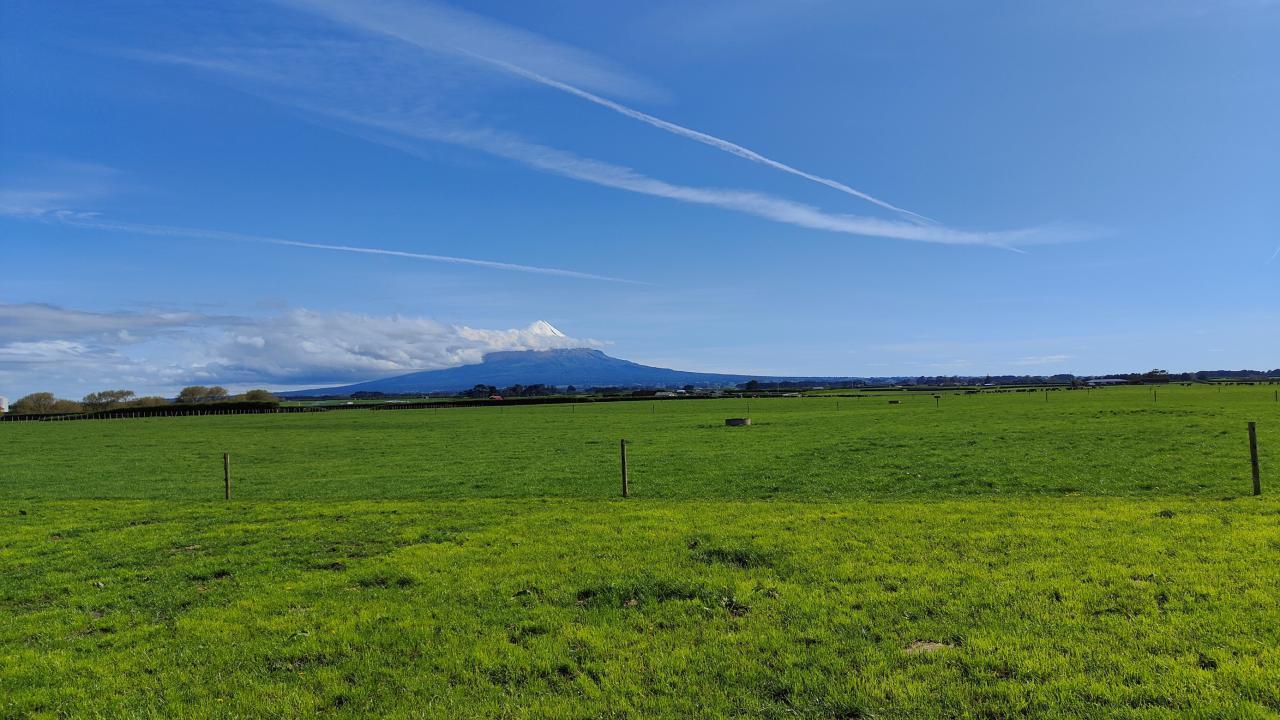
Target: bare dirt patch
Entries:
(925, 647)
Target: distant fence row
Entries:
(269, 408)
(163, 411)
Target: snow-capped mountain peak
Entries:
(546, 329)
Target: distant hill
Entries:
(587, 368)
(582, 367)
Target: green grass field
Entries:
(1094, 554)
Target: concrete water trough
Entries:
(736, 422)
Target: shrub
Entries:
(148, 401)
(43, 403)
(200, 393)
(259, 396)
(105, 400)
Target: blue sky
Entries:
(774, 187)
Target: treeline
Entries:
(517, 390)
(45, 403)
(1151, 376)
(1198, 376)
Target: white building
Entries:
(4, 404)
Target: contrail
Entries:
(621, 177)
(82, 221)
(1274, 255)
(434, 27)
(715, 142)
(394, 132)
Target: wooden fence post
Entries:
(226, 475)
(622, 446)
(1253, 458)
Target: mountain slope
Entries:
(582, 367)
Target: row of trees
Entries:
(517, 390)
(110, 399)
(45, 403)
(1156, 375)
(200, 393)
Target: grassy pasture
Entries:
(1092, 555)
(1191, 442)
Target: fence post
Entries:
(226, 476)
(1253, 458)
(622, 447)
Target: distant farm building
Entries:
(1108, 381)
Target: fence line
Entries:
(131, 413)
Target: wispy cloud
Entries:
(42, 352)
(41, 322)
(620, 177)
(32, 203)
(50, 183)
(375, 91)
(387, 123)
(1274, 255)
(438, 28)
(92, 221)
(444, 29)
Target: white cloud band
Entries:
(69, 351)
